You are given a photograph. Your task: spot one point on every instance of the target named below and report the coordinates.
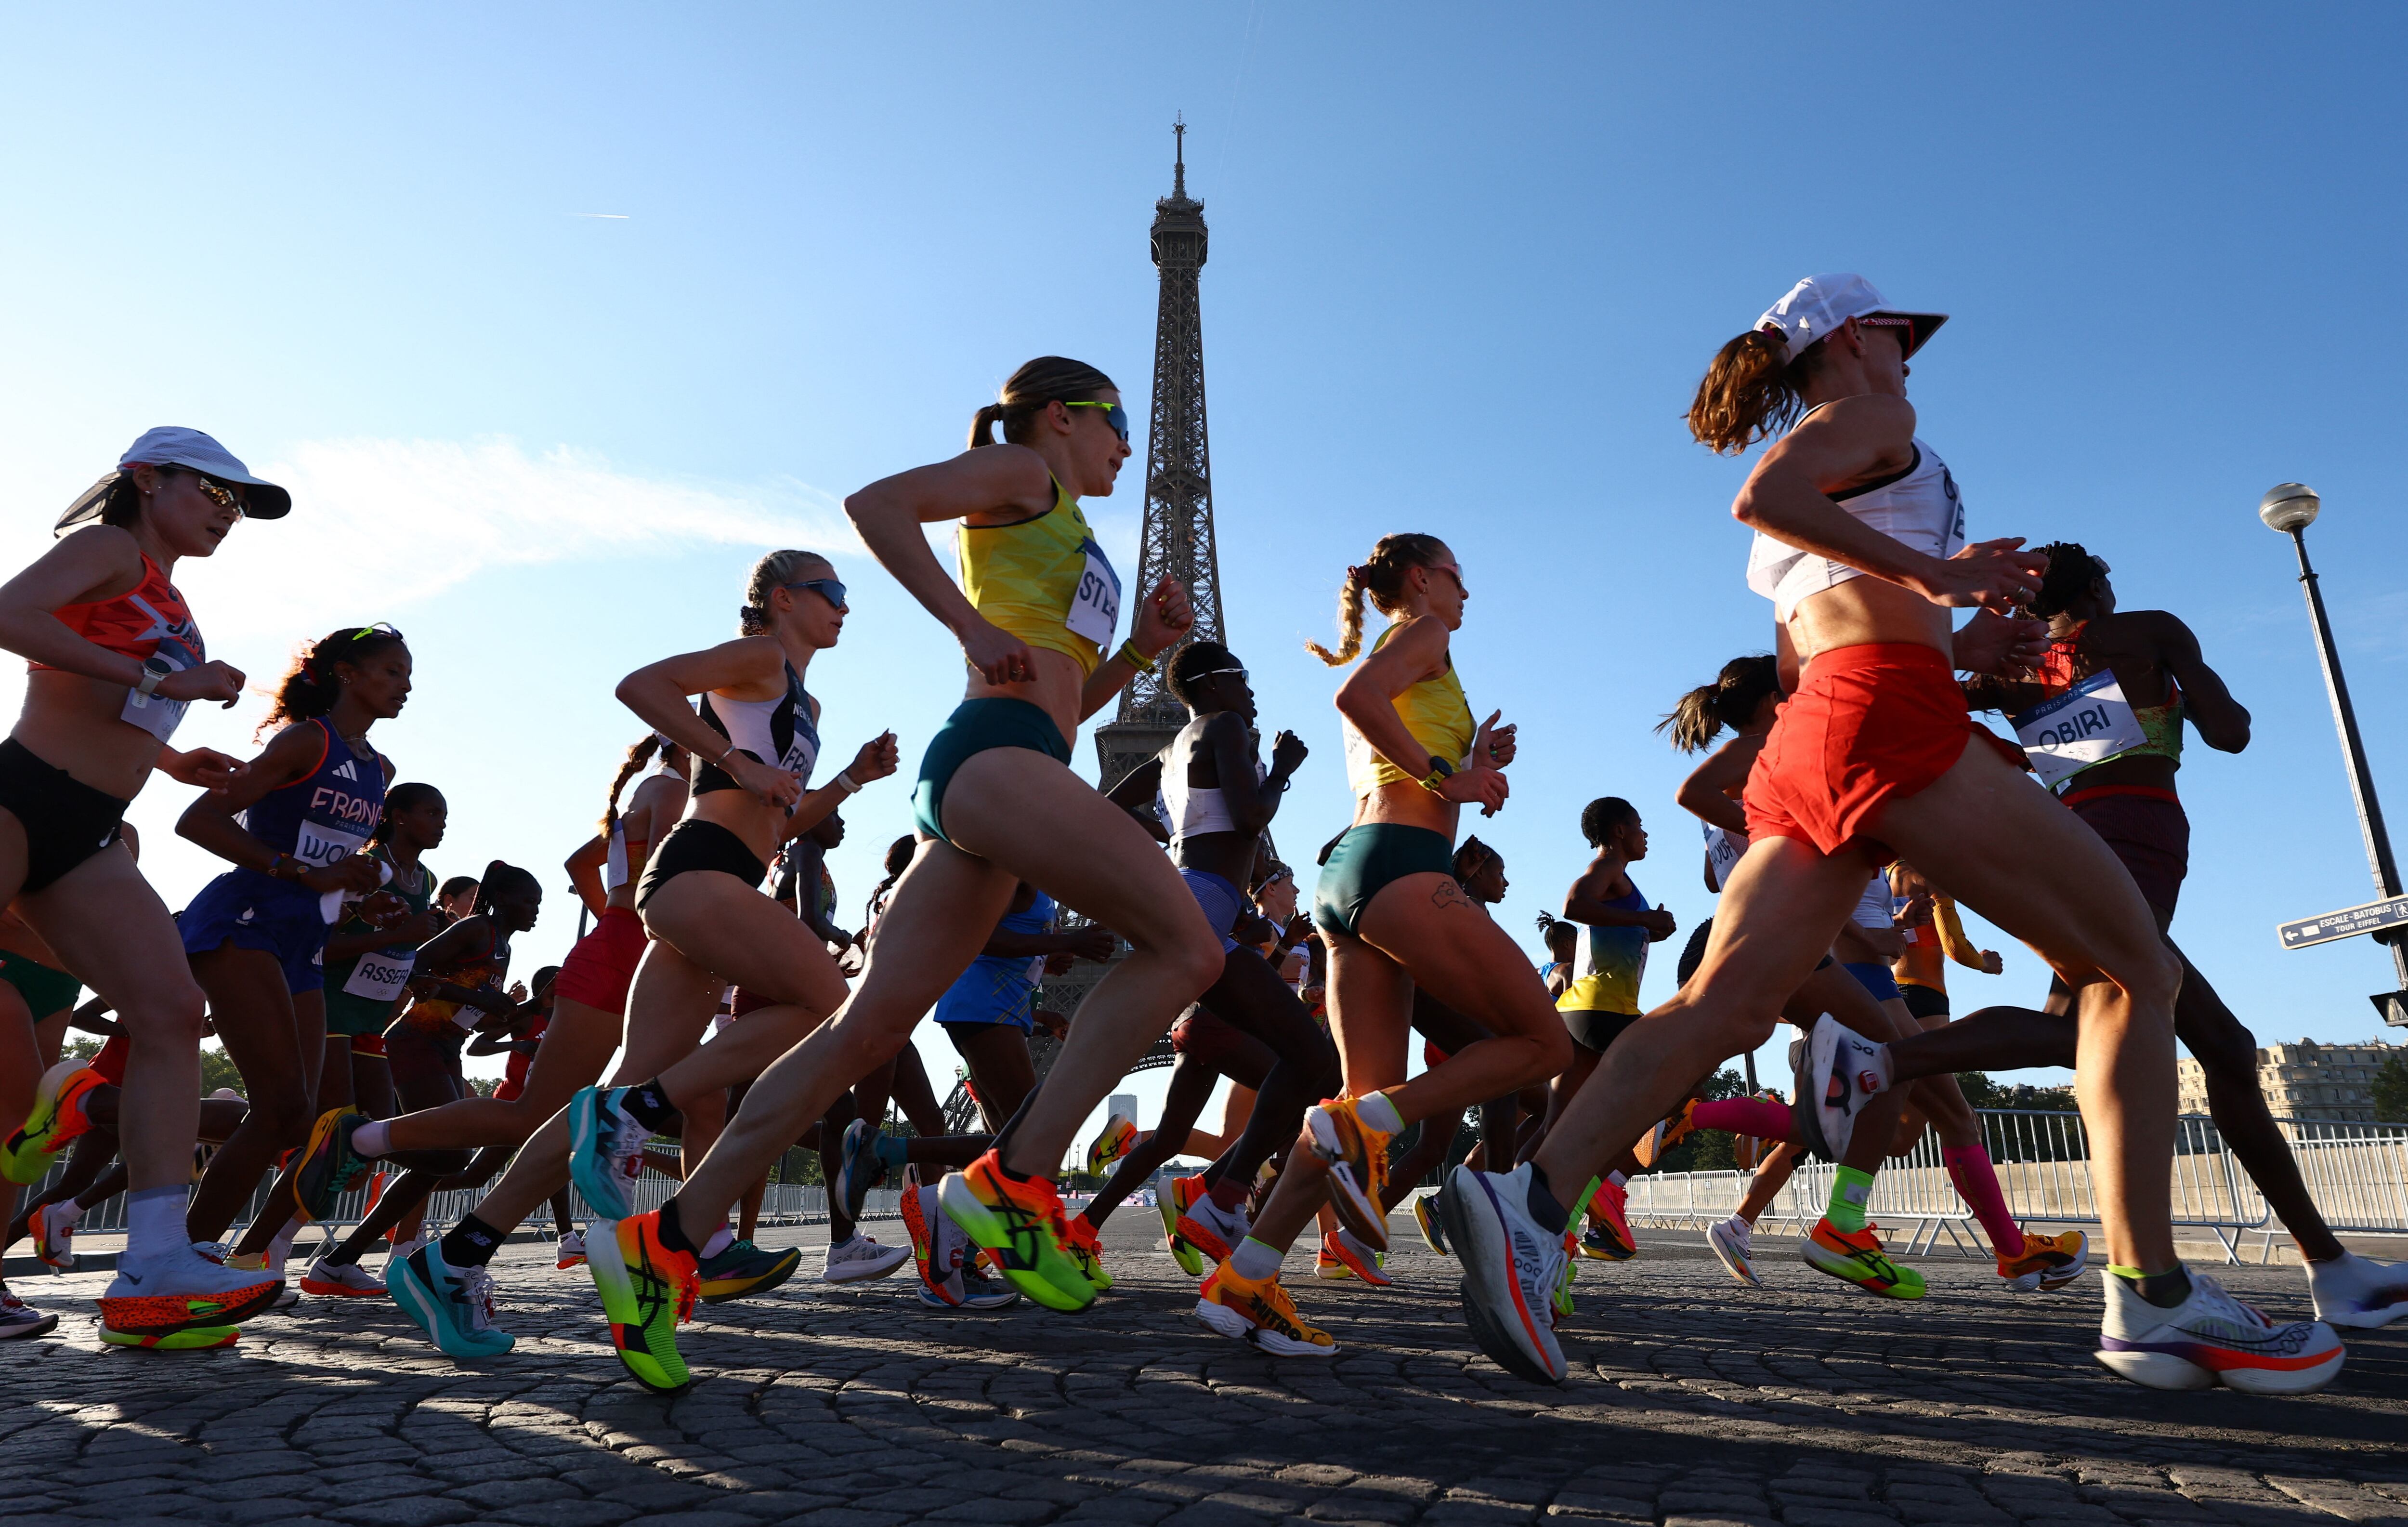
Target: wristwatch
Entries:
(155, 673)
(1440, 772)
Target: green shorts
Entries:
(45, 991)
(976, 725)
(355, 1016)
(1364, 860)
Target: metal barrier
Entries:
(781, 1203)
(2358, 1175)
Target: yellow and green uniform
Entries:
(1046, 582)
(1608, 963)
(1367, 859)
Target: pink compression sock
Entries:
(1758, 1116)
(1977, 1184)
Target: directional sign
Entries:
(2370, 918)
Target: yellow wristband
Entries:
(1137, 660)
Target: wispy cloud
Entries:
(607, 217)
(434, 514)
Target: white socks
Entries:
(154, 1221)
(1378, 1112)
(374, 1138)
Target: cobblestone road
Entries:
(1691, 1401)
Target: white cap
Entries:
(174, 445)
(1814, 308)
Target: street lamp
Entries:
(2291, 508)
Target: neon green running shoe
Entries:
(647, 1291)
(1021, 1224)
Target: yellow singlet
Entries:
(1433, 710)
(1044, 580)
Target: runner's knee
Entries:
(169, 1018)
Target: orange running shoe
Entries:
(1261, 1313)
(648, 1291)
(1858, 1259)
(1087, 1251)
(1177, 1198)
(1609, 1237)
(1021, 1221)
(2049, 1262)
(58, 1117)
(1357, 1155)
(1666, 1133)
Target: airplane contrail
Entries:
(615, 217)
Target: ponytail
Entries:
(1046, 380)
(898, 858)
(499, 876)
(1751, 390)
(1731, 701)
(638, 756)
(1381, 576)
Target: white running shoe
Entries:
(53, 1234)
(18, 1318)
(1730, 1239)
(1213, 1230)
(2354, 1291)
(1837, 1070)
(2212, 1339)
(1511, 1268)
(572, 1250)
(862, 1259)
(341, 1280)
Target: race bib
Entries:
(2088, 723)
(156, 713)
(319, 845)
(1721, 853)
(469, 1017)
(1095, 608)
(380, 977)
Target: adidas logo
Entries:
(347, 770)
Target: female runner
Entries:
(1398, 921)
(114, 659)
(256, 935)
(997, 804)
(1860, 545)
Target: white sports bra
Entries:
(1919, 507)
(1193, 810)
(614, 865)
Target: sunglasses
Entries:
(1214, 673)
(380, 628)
(219, 494)
(1114, 415)
(1905, 341)
(829, 589)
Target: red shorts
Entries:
(1869, 725)
(747, 1002)
(602, 965)
(2147, 829)
(110, 1061)
(368, 1044)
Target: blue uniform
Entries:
(324, 816)
(999, 989)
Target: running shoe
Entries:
(572, 1251)
(341, 1280)
(923, 1222)
(1838, 1070)
(1512, 1267)
(57, 1118)
(2356, 1291)
(606, 1150)
(166, 1295)
(1357, 1260)
(2212, 1339)
(974, 1290)
(741, 1269)
(648, 1291)
(454, 1306)
(2049, 1262)
(859, 1169)
(1357, 1155)
(1860, 1259)
(327, 1164)
(1608, 1237)
(1176, 1200)
(402, 1250)
(1667, 1133)
(1426, 1216)
(1562, 1305)
(1212, 1230)
(1260, 1313)
(1119, 1137)
(862, 1260)
(1086, 1250)
(53, 1235)
(1730, 1241)
(18, 1318)
(1020, 1222)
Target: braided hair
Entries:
(310, 686)
(2071, 573)
(1381, 577)
(638, 755)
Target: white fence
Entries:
(2357, 1174)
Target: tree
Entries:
(217, 1069)
(2391, 1091)
(1708, 1150)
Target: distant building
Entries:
(2304, 1079)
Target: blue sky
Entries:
(1466, 269)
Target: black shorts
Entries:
(695, 844)
(1924, 1002)
(1592, 1029)
(66, 820)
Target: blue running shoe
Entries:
(454, 1307)
(861, 1170)
(606, 1150)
